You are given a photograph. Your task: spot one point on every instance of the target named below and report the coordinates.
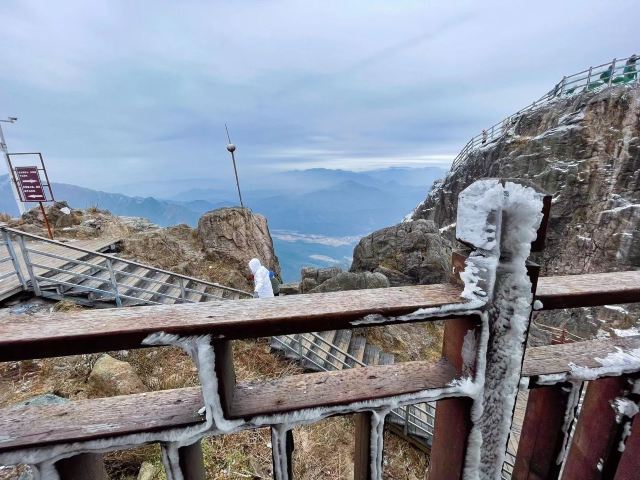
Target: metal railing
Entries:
(9, 250)
(105, 277)
(617, 72)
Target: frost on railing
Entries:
(617, 72)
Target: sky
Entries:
(115, 92)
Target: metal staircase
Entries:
(58, 270)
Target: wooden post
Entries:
(594, 452)
(362, 452)
(188, 464)
(368, 449)
(46, 220)
(282, 453)
(629, 465)
(542, 438)
(192, 462)
(453, 416)
(225, 372)
(81, 467)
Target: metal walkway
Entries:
(81, 271)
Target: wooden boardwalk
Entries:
(11, 285)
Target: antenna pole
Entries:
(232, 148)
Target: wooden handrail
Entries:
(117, 329)
(113, 329)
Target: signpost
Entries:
(30, 186)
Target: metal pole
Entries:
(46, 220)
(5, 151)
(232, 148)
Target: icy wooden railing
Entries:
(620, 71)
(475, 382)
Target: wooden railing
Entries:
(474, 383)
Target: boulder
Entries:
(41, 400)
(236, 235)
(311, 277)
(110, 377)
(352, 281)
(289, 289)
(147, 471)
(407, 253)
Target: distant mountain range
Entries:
(313, 204)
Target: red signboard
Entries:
(29, 184)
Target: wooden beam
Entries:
(564, 358)
(83, 420)
(362, 451)
(542, 438)
(594, 451)
(453, 416)
(338, 387)
(97, 418)
(589, 290)
(71, 333)
(225, 373)
(192, 462)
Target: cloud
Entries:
(289, 236)
(324, 258)
(113, 91)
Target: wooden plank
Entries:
(83, 420)
(338, 387)
(542, 437)
(589, 290)
(594, 450)
(99, 418)
(118, 329)
(560, 358)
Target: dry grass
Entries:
(416, 341)
(322, 451)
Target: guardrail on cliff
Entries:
(617, 72)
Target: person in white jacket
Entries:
(262, 283)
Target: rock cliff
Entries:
(238, 235)
(585, 151)
(408, 253)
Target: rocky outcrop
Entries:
(311, 277)
(236, 235)
(585, 151)
(110, 377)
(333, 279)
(407, 253)
(352, 281)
